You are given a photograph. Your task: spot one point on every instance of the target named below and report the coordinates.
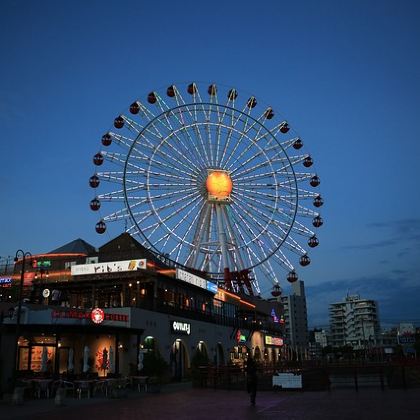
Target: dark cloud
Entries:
(373, 245)
(401, 232)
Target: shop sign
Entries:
(76, 314)
(46, 293)
(97, 315)
(274, 316)
(191, 278)
(406, 339)
(211, 287)
(406, 333)
(5, 281)
(273, 341)
(108, 267)
(178, 327)
(240, 338)
(41, 264)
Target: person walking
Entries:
(251, 379)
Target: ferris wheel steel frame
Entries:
(174, 162)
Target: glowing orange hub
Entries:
(219, 184)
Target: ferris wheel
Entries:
(212, 181)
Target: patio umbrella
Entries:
(44, 359)
(86, 354)
(111, 360)
(70, 363)
(140, 361)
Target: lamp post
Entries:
(23, 255)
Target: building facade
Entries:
(354, 322)
(296, 319)
(127, 301)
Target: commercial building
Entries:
(354, 322)
(78, 302)
(296, 319)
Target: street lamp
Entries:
(23, 255)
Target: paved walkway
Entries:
(183, 402)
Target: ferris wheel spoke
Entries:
(305, 212)
(164, 239)
(237, 251)
(171, 193)
(270, 271)
(115, 158)
(302, 229)
(199, 202)
(132, 125)
(159, 164)
(165, 141)
(257, 167)
(243, 192)
(172, 204)
(198, 103)
(294, 246)
(251, 144)
(244, 134)
(277, 129)
(232, 129)
(248, 199)
(197, 155)
(248, 230)
(163, 175)
(264, 232)
(198, 134)
(288, 143)
(274, 150)
(162, 221)
(300, 177)
(111, 176)
(122, 141)
(187, 232)
(249, 251)
(174, 133)
(283, 260)
(184, 130)
(269, 220)
(117, 215)
(261, 229)
(304, 194)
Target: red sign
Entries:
(77, 314)
(97, 315)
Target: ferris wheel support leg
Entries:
(240, 262)
(222, 236)
(201, 232)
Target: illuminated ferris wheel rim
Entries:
(246, 236)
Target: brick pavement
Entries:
(183, 402)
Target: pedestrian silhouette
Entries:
(251, 379)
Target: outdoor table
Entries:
(141, 382)
(84, 385)
(42, 385)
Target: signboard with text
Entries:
(179, 327)
(273, 341)
(108, 267)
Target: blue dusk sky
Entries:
(345, 74)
